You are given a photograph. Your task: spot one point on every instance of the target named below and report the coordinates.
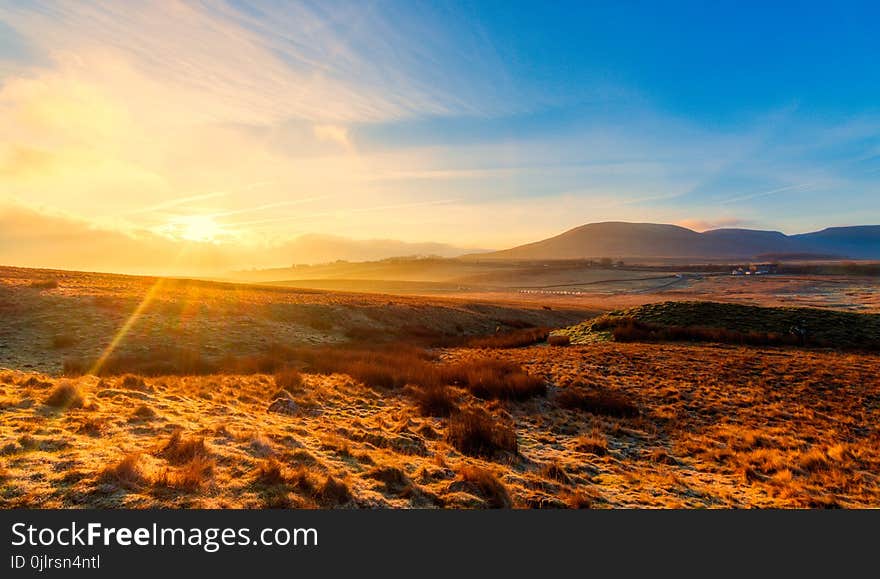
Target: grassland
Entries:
(234, 396)
(76, 317)
(833, 285)
(619, 425)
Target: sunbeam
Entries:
(126, 327)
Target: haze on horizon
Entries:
(218, 135)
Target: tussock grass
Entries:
(593, 443)
(189, 477)
(393, 478)
(270, 472)
(132, 382)
(179, 450)
(289, 380)
(128, 473)
(434, 399)
(66, 395)
(478, 433)
(279, 482)
(580, 499)
(554, 471)
(488, 486)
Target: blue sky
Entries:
(483, 124)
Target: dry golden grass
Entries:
(479, 433)
(513, 339)
(485, 484)
(65, 395)
(717, 426)
(313, 424)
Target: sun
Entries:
(201, 228)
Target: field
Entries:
(120, 391)
(77, 317)
(835, 285)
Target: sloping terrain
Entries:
(51, 317)
(822, 327)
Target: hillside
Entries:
(845, 330)
(619, 240)
(54, 318)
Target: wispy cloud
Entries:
(171, 203)
(278, 119)
(259, 64)
(759, 194)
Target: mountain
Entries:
(861, 242)
(620, 240)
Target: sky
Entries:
(219, 133)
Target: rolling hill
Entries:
(620, 240)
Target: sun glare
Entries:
(201, 228)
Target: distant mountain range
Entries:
(620, 240)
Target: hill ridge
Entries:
(620, 239)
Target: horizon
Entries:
(223, 135)
(375, 250)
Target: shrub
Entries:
(597, 401)
(65, 395)
(559, 340)
(478, 433)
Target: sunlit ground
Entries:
(603, 425)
